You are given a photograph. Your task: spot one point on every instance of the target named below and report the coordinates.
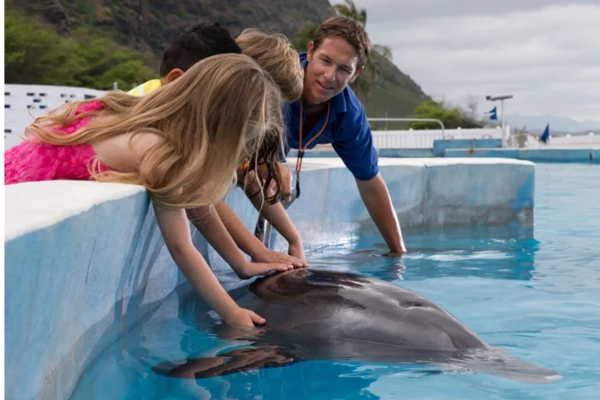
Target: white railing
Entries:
(23, 103)
(423, 139)
(437, 121)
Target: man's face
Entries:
(331, 67)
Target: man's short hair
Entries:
(348, 29)
(196, 43)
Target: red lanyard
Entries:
(301, 149)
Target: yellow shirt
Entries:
(145, 88)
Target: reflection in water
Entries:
(181, 328)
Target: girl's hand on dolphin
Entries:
(244, 317)
(251, 269)
(270, 256)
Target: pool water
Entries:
(533, 291)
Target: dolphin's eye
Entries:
(409, 304)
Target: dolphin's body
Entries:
(313, 314)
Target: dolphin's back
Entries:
(334, 305)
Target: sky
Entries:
(546, 53)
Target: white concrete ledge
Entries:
(84, 261)
(29, 211)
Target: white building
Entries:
(24, 103)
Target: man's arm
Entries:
(354, 144)
(377, 199)
(175, 230)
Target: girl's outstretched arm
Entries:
(250, 243)
(175, 229)
(207, 221)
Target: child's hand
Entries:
(251, 269)
(244, 317)
(270, 256)
(295, 249)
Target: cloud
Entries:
(546, 53)
(400, 10)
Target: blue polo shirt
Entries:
(347, 130)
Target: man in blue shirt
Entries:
(330, 112)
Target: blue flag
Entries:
(493, 115)
(546, 134)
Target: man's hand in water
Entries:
(397, 252)
(394, 254)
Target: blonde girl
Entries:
(182, 142)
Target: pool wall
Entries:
(85, 261)
(556, 155)
(478, 149)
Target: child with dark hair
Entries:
(194, 44)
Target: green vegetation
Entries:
(452, 117)
(95, 42)
(304, 35)
(36, 54)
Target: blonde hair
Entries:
(220, 107)
(275, 54)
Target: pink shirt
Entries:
(31, 162)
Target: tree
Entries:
(31, 52)
(304, 35)
(452, 117)
(36, 54)
(471, 107)
(349, 10)
(367, 81)
(99, 61)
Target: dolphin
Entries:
(318, 314)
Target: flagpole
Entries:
(501, 98)
(502, 113)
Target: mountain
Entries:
(396, 94)
(148, 25)
(558, 124)
(151, 24)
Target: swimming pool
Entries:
(534, 291)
